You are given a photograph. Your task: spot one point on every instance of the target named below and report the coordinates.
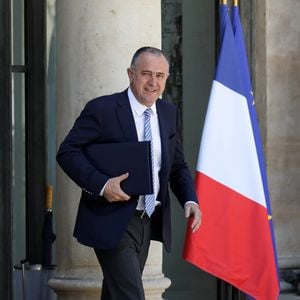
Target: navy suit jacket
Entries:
(99, 223)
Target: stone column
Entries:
(277, 81)
(283, 125)
(95, 42)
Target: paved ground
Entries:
(288, 292)
(289, 296)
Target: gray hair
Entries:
(148, 49)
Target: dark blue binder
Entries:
(114, 159)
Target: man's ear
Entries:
(130, 74)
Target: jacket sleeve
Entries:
(70, 155)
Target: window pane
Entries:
(18, 167)
(17, 26)
(51, 100)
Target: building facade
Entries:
(56, 55)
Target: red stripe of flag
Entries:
(223, 247)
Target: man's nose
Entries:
(152, 79)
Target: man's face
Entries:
(148, 78)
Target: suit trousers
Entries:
(123, 265)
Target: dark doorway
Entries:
(190, 38)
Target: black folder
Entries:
(115, 159)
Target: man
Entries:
(118, 226)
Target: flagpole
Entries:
(235, 2)
(223, 2)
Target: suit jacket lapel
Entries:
(126, 119)
(164, 136)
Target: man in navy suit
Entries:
(115, 224)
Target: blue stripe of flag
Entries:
(248, 93)
(228, 70)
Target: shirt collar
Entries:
(137, 106)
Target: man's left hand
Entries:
(192, 210)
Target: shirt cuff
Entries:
(187, 202)
(102, 190)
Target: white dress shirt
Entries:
(138, 115)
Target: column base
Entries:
(76, 288)
(155, 286)
(90, 288)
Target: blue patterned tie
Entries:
(149, 199)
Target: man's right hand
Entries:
(113, 192)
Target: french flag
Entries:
(235, 241)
